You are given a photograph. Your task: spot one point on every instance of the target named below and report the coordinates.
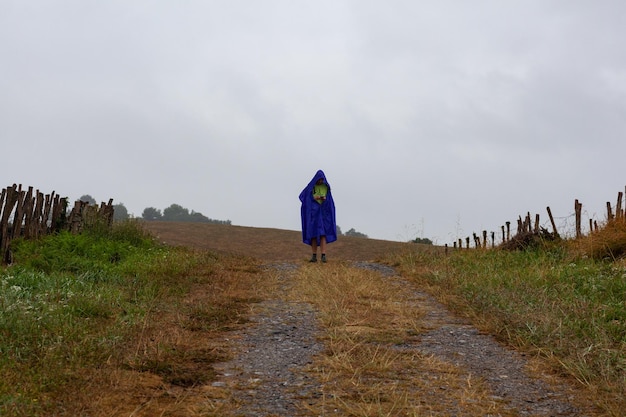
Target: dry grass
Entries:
(368, 321)
(365, 371)
(609, 242)
(167, 368)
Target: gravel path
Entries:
(267, 372)
(267, 375)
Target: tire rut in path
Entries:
(454, 340)
(266, 378)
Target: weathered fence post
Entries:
(10, 199)
(27, 213)
(578, 207)
(43, 225)
(554, 231)
(76, 216)
(59, 214)
(38, 214)
(16, 227)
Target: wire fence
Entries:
(530, 226)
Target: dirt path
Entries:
(269, 375)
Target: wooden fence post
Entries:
(59, 214)
(554, 231)
(10, 198)
(23, 211)
(18, 216)
(578, 210)
(43, 225)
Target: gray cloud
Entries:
(436, 119)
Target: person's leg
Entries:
(323, 247)
(314, 249)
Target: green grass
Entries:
(69, 301)
(571, 309)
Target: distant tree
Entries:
(120, 212)
(354, 233)
(89, 199)
(176, 213)
(423, 240)
(339, 231)
(198, 217)
(151, 213)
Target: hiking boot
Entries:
(324, 257)
(313, 258)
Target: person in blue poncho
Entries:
(318, 215)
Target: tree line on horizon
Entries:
(178, 213)
(173, 213)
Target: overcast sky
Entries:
(430, 119)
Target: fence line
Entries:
(527, 229)
(31, 214)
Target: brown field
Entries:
(272, 244)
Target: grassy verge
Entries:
(74, 305)
(555, 302)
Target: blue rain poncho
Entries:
(317, 219)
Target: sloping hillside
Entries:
(271, 244)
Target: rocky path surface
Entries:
(268, 376)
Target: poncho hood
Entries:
(317, 219)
